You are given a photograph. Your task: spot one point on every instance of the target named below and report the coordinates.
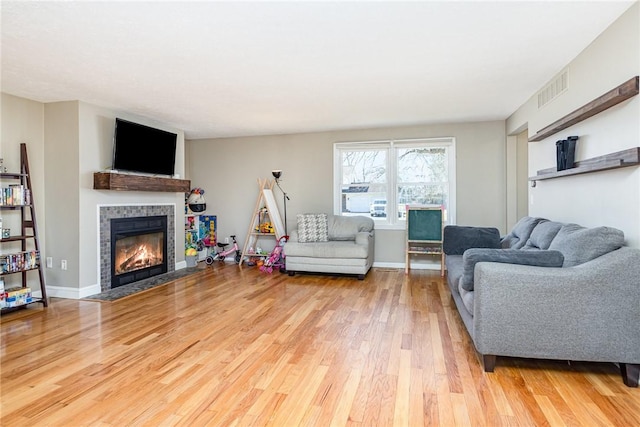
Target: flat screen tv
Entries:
(140, 148)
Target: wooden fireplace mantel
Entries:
(126, 182)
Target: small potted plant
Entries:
(191, 255)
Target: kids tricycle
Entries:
(222, 253)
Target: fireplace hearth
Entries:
(138, 248)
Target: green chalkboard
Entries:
(424, 223)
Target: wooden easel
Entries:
(265, 199)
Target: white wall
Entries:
(603, 198)
(228, 170)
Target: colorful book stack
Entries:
(12, 263)
(15, 195)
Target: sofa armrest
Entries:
(587, 312)
(293, 236)
(364, 237)
(457, 239)
(367, 239)
(536, 257)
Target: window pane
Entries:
(421, 164)
(421, 194)
(422, 177)
(364, 182)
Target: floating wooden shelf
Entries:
(615, 96)
(125, 182)
(620, 159)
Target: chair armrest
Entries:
(587, 312)
(364, 237)
(457, 238)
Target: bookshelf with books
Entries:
(20, 250)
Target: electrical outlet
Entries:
(49, 262)
(226, 240)
(63, 264)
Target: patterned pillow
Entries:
(312, 228)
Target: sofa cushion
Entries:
(467, 299)
(542, 235)
(458, 238)
(520, 233)
(346, 227)
(334, 250)
(454, 271)
(579, 244)
(538, 258)
(312, 228)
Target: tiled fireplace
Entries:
(141, 240)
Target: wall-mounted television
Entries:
(140, 148)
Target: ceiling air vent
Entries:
(553, 89)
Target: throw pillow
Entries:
(459, 238)
(542, 235)
(579, 244)
(520, 233)
(312, 228)
(537, 258)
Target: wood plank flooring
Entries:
(232, 346)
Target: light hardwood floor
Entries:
(234, 346)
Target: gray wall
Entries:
(228, 170)
(76, 140)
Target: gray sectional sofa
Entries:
(331, 244)
(548, 290)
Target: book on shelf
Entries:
(15, 195)
(12, 263)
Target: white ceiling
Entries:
(220, 69)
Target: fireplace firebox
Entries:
(138, 248)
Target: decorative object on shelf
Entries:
(566, 153)
(6, 233)
(196, 200)
(277, 174)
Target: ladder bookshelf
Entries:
(265, 200)
(19, 197)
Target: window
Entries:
(379, 178)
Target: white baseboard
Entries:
(72, 293)
(75, 293)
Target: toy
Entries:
(196, 201)
(276, 259)
(265, 227)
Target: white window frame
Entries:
(392, 222)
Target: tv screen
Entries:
(140, 148)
